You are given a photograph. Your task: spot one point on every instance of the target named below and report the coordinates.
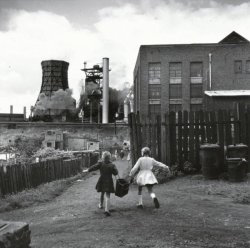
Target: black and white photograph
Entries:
(124, 123)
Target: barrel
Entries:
(237, 151)
(237, 169)
(210, 158)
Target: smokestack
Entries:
(11, 109)
(125, 110)
(24, 113)
(105, 85)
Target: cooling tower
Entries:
(55, 76)
(55, 98)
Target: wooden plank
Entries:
(133, 139)
(228, 133)
(158, 137)
(207, 125)
(180, 154)
(213, 127)
(197, 140)
(202, 127)
(248, 136)
(167, 138)
(143, 132)
(172, 134)
(2, 181)
(139, 135)
(191, 138)
(242, 124)
(236, 127)
(185, 135)
(221, 135)
(154, 137)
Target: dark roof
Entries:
(233, 38)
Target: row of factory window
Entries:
(155, 109)
(175, 71)
(175, 91)
(240, 66)
(196, 71)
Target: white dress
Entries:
(145, 175)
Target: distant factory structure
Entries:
(98, 102)
(55, 99)
(96, 91)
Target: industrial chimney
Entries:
(105, 86)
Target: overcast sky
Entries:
(83, 30)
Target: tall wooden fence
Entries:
(176, 136)
(15, 178)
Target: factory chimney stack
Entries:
(105, 85)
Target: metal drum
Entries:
(210, 160)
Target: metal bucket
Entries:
(237, 169)
(210, 160)
(237, 151)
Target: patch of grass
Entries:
(42, 193)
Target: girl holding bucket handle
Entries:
(105, 182)
(145, 176)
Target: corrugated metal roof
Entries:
(227, 93)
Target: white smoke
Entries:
(60, 100)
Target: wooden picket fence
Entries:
(176, 137)
(15, 178)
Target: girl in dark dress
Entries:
(105, 182)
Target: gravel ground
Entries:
(193, 213)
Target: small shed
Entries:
(226, 99)
(93, 144)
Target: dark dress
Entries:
(105, 181)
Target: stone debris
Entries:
(14, 234)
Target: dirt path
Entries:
(187, 218)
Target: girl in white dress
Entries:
(145, 176)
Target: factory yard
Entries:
(193, 213)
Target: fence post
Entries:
(158, 127)
(221, 134)
(180, 155)
(132, 137)
(167, 134)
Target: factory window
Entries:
(196, 69)
(196, 91)
(175, 69)
(154, 92)
(175, 91)
(195, 107)
(175, 107)
(238, 66)
(154, 110)
(154, 73)
(248, 66)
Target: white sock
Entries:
(152, 195)
(140, 199)
(107, 203)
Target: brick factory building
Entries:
(192, 76)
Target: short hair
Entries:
(106, 156)
(145, 151)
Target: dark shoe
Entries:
(156, 202)
(140, 206)
(107, 213)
